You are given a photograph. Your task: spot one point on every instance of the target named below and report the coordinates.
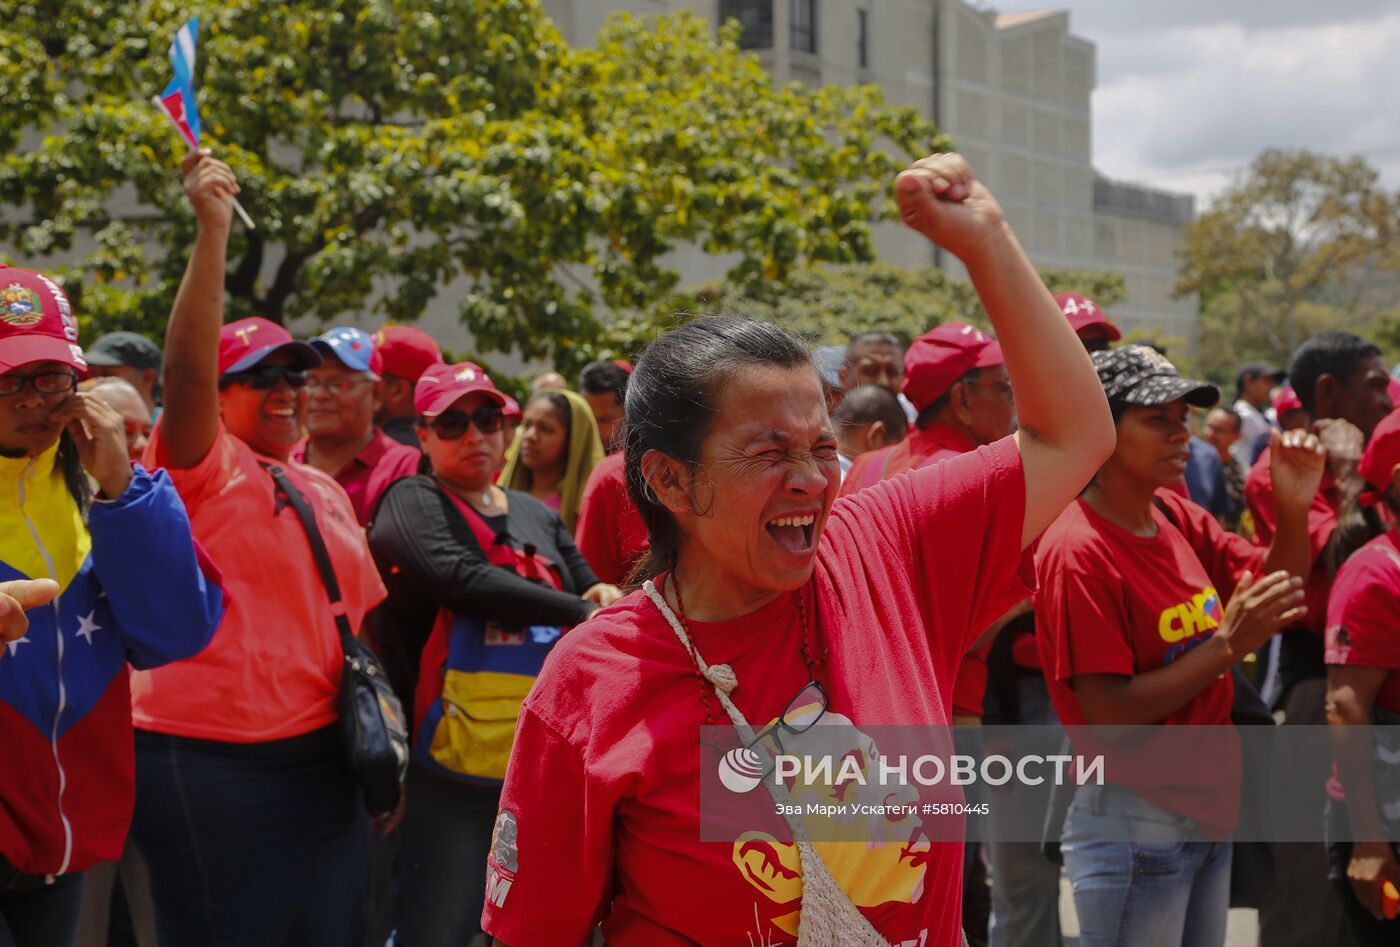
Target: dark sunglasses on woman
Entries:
(266, 377)
(451, 425)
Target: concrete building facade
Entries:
(1012, 90)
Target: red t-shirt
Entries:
(610, 532)
(382, 461)
(1111, 602)
(1322, 520)
(931, 445)
(273, 668)
(601, 821)
(1363, 615)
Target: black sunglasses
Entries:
(450, 425)
(269, 376)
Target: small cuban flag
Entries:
(177, 101)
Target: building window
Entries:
(756, 18)
(802, 25)
(863, 39)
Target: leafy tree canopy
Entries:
(1302, 243)
(393, 150)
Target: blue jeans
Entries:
(1142, 875)
(37, 913)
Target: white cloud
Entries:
(1186, 89)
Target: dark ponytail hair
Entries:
(74, 475)
(672, 404)
(1357, 525)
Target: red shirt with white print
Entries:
(1363, 614)
(600, 816)
(1112, 602)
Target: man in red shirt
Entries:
(342, 400)
(610, 532)
(401, 354)
(1342, 382)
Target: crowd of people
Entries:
(980, 526)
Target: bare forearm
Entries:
(1291, 550)
(1353, 747)
(1059, 399)
(1151, 696)
(191, 377)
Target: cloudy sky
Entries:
(1190, 90)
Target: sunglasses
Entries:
(450, 425)
(269, 376)
(47, 383)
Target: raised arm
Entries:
(1066, 429)
(1296, 462)
(191, 377)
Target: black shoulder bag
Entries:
(372, 722)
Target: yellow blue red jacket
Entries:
(134, 590)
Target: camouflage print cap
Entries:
(1139, 376)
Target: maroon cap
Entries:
(404, 352)
(1382, 454)
(941, 356)
(36, 322)
(1083, 313)
(441, 385)
(244, 343)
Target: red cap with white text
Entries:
(36, 322)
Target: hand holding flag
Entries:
(177, 102)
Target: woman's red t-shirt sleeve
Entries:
(951, 531)
(569, 824)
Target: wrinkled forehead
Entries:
(783, 407)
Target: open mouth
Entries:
(794, 533)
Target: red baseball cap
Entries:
(36, 322)
(941, 356)
(1083, 313)
(404, 352)
(440, 386)
(1382, 454)
(1287, 400)
(244, 343)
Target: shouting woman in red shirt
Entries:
(1145, 605)
(764, 587)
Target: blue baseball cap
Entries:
(352, 347)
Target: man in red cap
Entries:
(956, 378)
(401, 354)
(1089, 322)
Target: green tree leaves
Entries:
(393, 150)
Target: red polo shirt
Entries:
(382, 461)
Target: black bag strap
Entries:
(285, 489)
